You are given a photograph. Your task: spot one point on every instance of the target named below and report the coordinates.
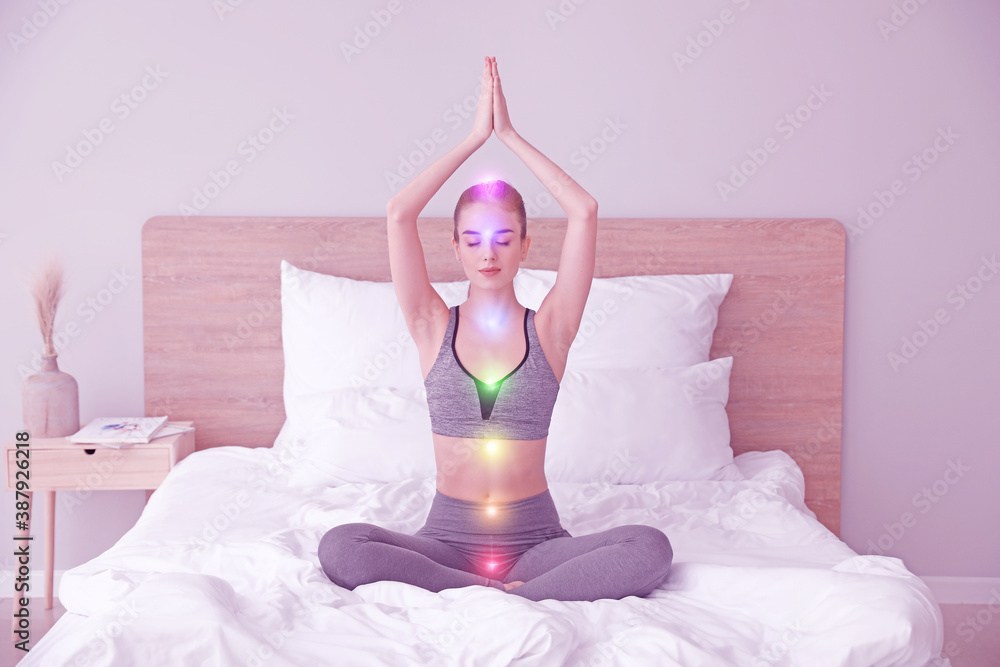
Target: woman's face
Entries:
(490, 237)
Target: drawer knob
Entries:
(90, 451)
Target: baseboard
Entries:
(965, 590)
(36, 583)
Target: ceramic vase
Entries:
(50, 401)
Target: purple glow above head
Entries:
(486, 177)
(491, 188)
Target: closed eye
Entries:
(473, 245)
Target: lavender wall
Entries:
(885, 107)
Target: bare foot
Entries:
(513, 584)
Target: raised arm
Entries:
(562, 308)
(420, 304)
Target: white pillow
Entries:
(338, 332)
(632, 321)
(640, 425)
(364, 434)
(621, 426)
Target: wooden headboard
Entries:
(212, 316)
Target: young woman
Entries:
(492, 370)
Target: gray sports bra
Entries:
(515, 407)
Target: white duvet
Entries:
(221, 569)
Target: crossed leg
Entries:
(625, 560)
(353, 554)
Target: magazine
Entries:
(171, 428)
(119, 430)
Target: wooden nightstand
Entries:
(56, 464)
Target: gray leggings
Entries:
(466, 543)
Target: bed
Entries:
(221, 567)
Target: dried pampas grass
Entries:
(48, 291)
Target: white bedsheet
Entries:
(221, 569)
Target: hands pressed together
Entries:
(491, 115)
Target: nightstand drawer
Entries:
(64, 469)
